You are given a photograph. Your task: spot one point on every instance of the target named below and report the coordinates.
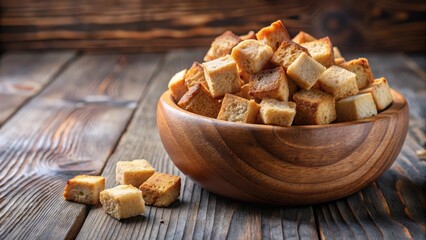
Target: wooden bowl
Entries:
(294, 165)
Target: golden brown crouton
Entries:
(305, 71)
(314, 107)
(381, 93)
(321, 50)
(361, 67)
(84, 189)
(161, 190)
(270, 83)
(287, 53)
(123, 201)
(273, 35)
(356, 107)
(198, 100)
(238, 109)
(251, 55)
(303, 37)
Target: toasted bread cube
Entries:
(251, 55)
(339, 82)
(177, 85)
(287, 53)
(238, 109)
(222, 76)
(303, 37)
(249, 35)
(274, 112)
(161, 190)
(381, 93)
(314, 107)
(321, 50)
(195, 75)
(133, 172)
(122, 201)
(356, 107)
(198, 100)
(270, 83)
(273, 35)
(222, 45)
(305, 71)
(244, 92)
(360, 66)
(84, 189)
(337, 53)
(339, 61)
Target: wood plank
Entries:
(69, 129)
(392, 207)
(23, 75)
(150, 25)
(199, 214)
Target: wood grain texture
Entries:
(393, 207)
(198, 214)
(162, 25)
(23, 75)
(70, 128)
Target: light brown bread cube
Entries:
(360, 66)
(303, 37)
(133, 172)
(84, 189)
(287, 53)
(244, 92)
(177, 85)
(222, 76)
(222, 46)
(337, 53)
(356, 107)
(238, 109)
(123, 201)
(270, 83)
(195, 75)
(161, 190)
(249, 35)
(251, 55)
(381, 93)
(339, 82)
(274, 112)
(339, 61)
(198, 100)
(314, 107)
(273, 35)
(305, 71)
(321, 50)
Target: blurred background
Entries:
(158, 26)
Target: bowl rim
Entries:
(398, 104)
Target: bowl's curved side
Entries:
(282, 165)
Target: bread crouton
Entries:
(238, 109)
(270, 83)
(161, 190)
(177, 85)
(361, 67)
(287, 53)
(84, 189)
(251, 55)
(198, 100)
(222, 76)
(314, 107)
(356, 107)
(339, 82)
(222, 45)
(195, 75)
(133, 172)
(381, 93)
(321, 50)
(305, 71)
(123, 201)
(303, 37)
(273, 35)
(274, 112)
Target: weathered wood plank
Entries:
(199, 214)
(151, 25)
(70, 128)
(392, 207)
(23, 75)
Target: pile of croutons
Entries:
(272, 79)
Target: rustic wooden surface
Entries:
(101, 109)
(160, 25)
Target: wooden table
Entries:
(63, 114)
